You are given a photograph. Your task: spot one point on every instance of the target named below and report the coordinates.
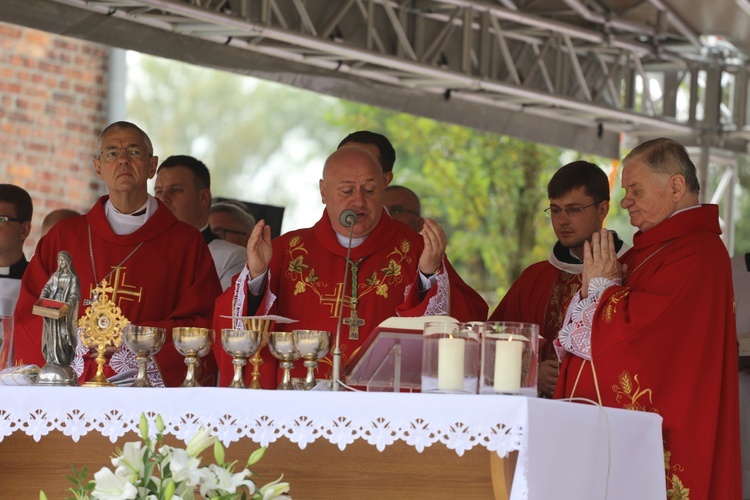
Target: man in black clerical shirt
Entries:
(16, 209)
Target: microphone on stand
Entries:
(348, 218)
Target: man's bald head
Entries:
(353, 179)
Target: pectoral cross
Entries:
(354, 322)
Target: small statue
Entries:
(58, 304)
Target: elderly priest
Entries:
(159, 269)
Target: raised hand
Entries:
(599, 260)
(431, 260)
(259, 250)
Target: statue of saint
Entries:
(62, 294)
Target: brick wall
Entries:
(53, 92)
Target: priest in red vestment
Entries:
(579, 202)
(392, 270)
(160, 269)
(655, 331)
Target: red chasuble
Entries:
(169, 281)
(305, 282)
(665, 342)
(541, 296)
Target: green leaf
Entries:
(143, 427)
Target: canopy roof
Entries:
(563, 72)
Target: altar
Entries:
(340, 445)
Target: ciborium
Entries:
(144, 342)
(281, 345)
(240, 344)
(193, 343)
(312, 346)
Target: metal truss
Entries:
(622, 66)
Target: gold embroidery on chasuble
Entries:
(302, 273)
(631, 396)
(122, 291)
(610, 309)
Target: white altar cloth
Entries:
(566, 450)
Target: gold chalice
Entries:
(193, 343)
(281, 345)
(312, 346)
(262, 325)
(144, 342)
(240, 344)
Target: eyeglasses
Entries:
(5, 220)
(569, 211)
(222, 233)
(398, 209)
(111, 154)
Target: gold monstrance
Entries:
(101, 326)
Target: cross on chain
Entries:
(354, 322)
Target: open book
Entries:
(744, 343)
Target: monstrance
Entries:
(101, 327)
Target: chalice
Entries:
(312, 346)
(144, 342)
(240, 344)
(281, 345)
(193, 343)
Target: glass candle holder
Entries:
(509, 358)
(450, 357)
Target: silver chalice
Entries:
(193, 343)
(312, 346)
(281, 345)
(240, 344)
(144, 342)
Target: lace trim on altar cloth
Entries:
(575, 336)
(301, 429)
(440, 303)
(123, 360)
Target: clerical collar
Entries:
(14, 271)
(344, 240)
(129, 223)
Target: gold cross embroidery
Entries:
(121, 290)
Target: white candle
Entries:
(451, 364)
(508, 365)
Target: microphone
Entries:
(348, 218)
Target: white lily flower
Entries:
(110, 486)
(184, 468)
(223, 481)
(274, 490)
(130, 463)
(200, 442)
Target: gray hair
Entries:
(666, 156)
(238, 214)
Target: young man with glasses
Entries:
(158, 270)
(16, 210)
(578, 204)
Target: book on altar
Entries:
(49, 308)
(392, 355)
